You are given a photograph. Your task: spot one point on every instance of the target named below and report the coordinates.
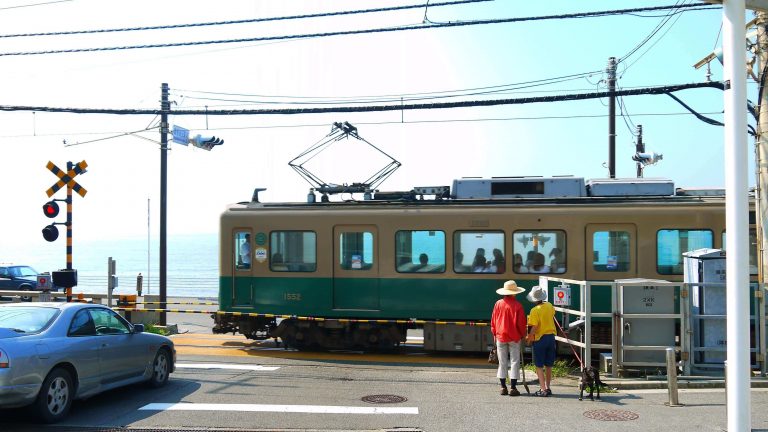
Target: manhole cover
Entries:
(383, 399)
(611, 415)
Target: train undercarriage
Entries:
(316, 334)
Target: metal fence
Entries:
(648, 316)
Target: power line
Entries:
(35, 4)
(499, 87)
(658, 28)
(115, 134)
(243, 21)
(404, 98)
(348, 32)
(377, 108)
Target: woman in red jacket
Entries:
(508, 326)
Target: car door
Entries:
(122, 355)
(83, 351)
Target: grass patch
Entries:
(152, 328)
(561, 368)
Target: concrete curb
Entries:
(636, 384)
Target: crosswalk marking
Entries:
(310, 409)
(226, 366)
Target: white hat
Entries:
(537, 294)
(510, 288)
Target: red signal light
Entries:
(51, 209)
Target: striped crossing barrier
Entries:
(174, 303)
(309, 318)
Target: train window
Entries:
(356, 250)
(672, 243)
(242, 251)
(479, 252)
(538, 252)
(752, 250)
(611, 251)
(293, 251)
(420, 251)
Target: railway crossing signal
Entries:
(67, 277)
(67, 178)
(51, 210)
(50, 233)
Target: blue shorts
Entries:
(544, 351)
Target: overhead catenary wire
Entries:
(650, 36)
(376, 123)
(35, 4)
(399, 98)
(651, 46)
(342, 33)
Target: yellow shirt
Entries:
(543, 317)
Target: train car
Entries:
(359, 273)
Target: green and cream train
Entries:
(359, 273)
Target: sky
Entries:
(434, 146)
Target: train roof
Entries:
(512, 191)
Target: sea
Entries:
(192, 268)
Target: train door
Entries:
(355, 267)
(611, 251)
(242, 268)
(611, 254)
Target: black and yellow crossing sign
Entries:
(67, 178)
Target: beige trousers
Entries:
(509, 359)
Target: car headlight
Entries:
(5, 361)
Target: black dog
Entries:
(590, 377)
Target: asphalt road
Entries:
(225, 381)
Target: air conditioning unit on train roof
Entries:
(519, 187)
(612, 187)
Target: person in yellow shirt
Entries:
(542, 334)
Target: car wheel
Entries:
(55, 397)
(161, 369)
(25, 298)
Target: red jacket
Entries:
(508, 322)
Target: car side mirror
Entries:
(138, 328)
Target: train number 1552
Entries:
(292, 296)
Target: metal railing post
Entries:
(672, 379)
(587, 324)
(616, 333)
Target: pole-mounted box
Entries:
(65, 278)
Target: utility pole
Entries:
(761, 149)
(639, 148)
(165, 107)
(736, 217)
(611, 117)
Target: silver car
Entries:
(53, 353)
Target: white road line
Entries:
(310, 409)
(226, 366)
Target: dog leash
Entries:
(572, 350)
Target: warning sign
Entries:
(562, 295)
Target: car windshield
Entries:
(22, 271)
(28, 319)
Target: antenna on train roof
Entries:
(340, 131)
